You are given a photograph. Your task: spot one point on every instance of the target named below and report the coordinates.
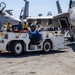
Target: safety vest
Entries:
(25, 26)
(36, 26)
(7, 26)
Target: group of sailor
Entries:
(20, 27)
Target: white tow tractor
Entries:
(17, 43)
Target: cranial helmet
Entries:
(33, 26)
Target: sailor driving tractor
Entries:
(34, 35)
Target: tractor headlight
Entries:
(1, 41)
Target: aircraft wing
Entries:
(9, 11)
(61, 15)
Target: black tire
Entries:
(17, 48)
(47, 46)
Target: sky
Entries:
(36, 6)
